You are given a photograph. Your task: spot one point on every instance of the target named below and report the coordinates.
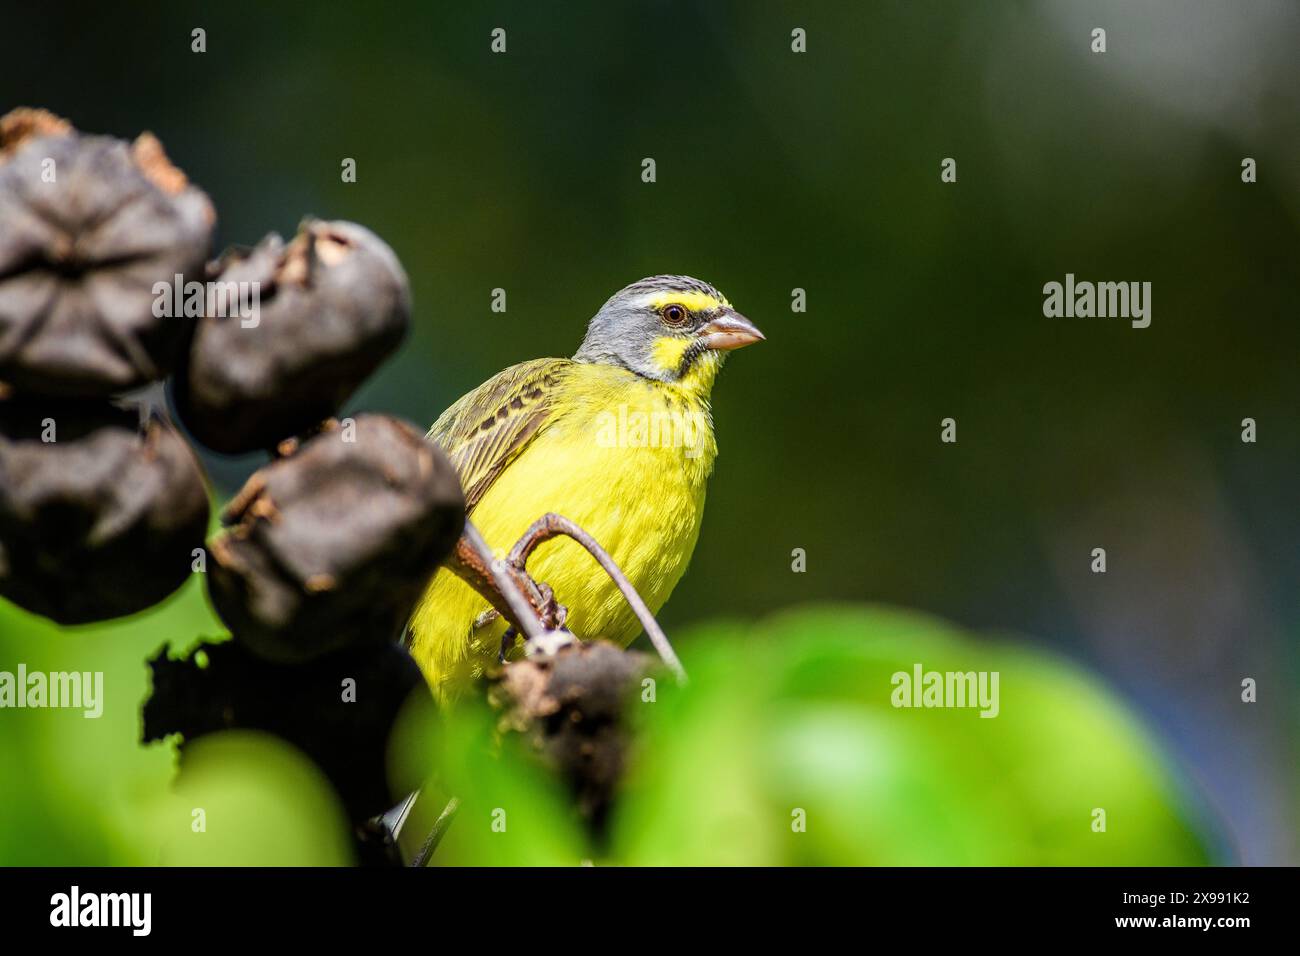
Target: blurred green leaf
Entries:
(513, 812)
(263, 803)
(77, 790)
(796, 715)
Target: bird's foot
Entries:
(507, 641)
(552, 612)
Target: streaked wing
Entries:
(486, 429)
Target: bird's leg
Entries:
(552, 610)
(556, 637)
(507, 641)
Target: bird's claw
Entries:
(507, 641)
(552, 612)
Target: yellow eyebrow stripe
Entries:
(695, 301)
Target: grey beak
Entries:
(729, 330)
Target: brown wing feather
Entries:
(486, 429)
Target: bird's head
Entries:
(669, 328)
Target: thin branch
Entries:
(436, 834)
(534, 611)
(522, 612)
(552, 525)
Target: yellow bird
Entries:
(619, 439)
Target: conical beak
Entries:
(729, 330)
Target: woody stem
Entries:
(553, 525)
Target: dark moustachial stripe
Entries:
(689, 357)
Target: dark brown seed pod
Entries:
(317, 317)
(571, 707)
(344, 728)
(91, 231)
(331, 546)
(99, 516)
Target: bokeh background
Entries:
(819, 171)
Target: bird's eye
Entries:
(675, 314)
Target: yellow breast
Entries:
(628, 460)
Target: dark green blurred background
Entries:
(821, 171)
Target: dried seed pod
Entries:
(99, 516)
(343, 727)
(315, 318)
(91, 229)
(570, 706)
(331, 546)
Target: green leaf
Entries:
(793, 718)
